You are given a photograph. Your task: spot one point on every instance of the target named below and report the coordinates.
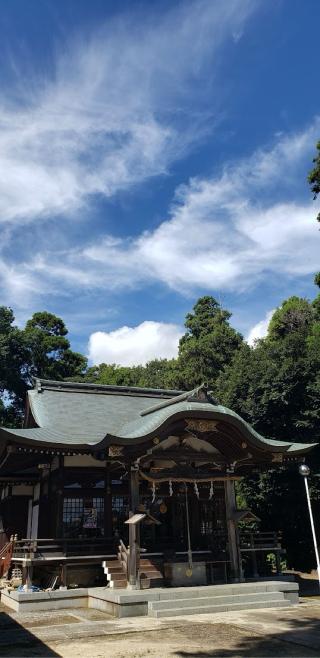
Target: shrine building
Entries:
(90, 458)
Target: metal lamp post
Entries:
(304, 470)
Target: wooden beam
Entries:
(134, 533)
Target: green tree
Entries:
(49, 350)
(158, 373)
(208, 345)
(13, 365)
(276, 387)
(41, 349)
(314, 176)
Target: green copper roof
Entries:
(87, 416)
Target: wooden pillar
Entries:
(233, 535)
(107, 502)
(255, 572)
(134, 534)
(134, 490)
(60, 484)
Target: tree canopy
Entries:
(314, 176)
(41, 349)
(275, 386)
(208, 345)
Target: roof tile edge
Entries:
(72, 387)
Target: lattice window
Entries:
(75, 516)
(72, 516)
(120, 513)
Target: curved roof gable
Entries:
(89, 416)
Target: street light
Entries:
(304, 470)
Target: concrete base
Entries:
(38, 601)
(160, 602)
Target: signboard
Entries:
(136, 518)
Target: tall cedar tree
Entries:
(208, 345)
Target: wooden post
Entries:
(27, 573)
(254, 557)
(233, 535)
(134, 538)
(60, 484)
(107, 503)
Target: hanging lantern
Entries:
(196, 490)
(170, 488)
(211, 490)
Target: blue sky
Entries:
(153, 152)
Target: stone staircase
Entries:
(223, 598)
(116, 572)
(149, 570)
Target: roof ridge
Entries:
(50, 384)
(199, 394)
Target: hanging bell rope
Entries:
(153, 491)
(196, 490)
(211, 490)
(170, 488)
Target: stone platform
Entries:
(160, 602)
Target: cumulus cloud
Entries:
(128, 346)
(260, 329)
(106, 119)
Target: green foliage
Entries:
(295, 314)
(158, 373)
(208, 345)
(275, 386)
(41, 349)
(314, 176)
(13, 355)
(49, 350)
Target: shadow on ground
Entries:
(300, 639)
(15, 640)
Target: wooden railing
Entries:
(255, 546)
(260, 541)
(257, 541)
(32, 548)
(6, 557)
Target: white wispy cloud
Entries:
(260, 329)
(106, 119)
(129, 346)
(222, 233)
(225, 233)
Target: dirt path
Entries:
(81, 633)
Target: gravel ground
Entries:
(85, 633)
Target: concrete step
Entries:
(206, 601)
(177, 593)
(212, 609)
